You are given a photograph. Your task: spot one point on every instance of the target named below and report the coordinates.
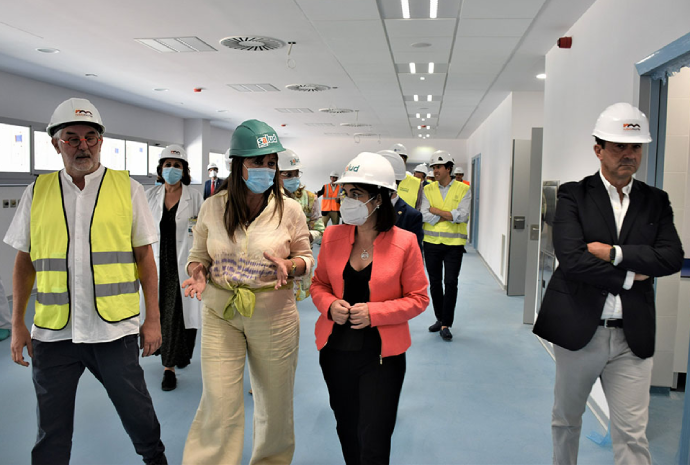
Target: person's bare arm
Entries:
(23, 279)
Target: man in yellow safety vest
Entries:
(84, 234)
(446, 210)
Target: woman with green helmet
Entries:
(250, 243)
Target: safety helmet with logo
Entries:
(173, 151)
(75, 111)
(334, 174)
(288, 161)
(254, 138)
(396, 162)
(369, 168)
(458, 170)
(211, 166)
(421, 168)
(441, 157)
(622, 122)
(399, 149)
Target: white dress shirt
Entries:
(613, 308)
(85, 325)
(460, 214)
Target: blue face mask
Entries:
(259, 180)
(172, 175)
(291, 184)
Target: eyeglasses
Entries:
(76, 141)
(353, 195)
(290, 174)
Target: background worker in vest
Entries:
(211, 186)
(407, 218)
(430, 177)
(420, 172)
(410, 187)
(330, 204)
(75, 223)
(459, 175)
(446, 210)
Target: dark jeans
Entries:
(57, 367)
(364, 392)
(438, 257)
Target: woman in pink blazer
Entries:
(369, 282)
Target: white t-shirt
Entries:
(85, 325)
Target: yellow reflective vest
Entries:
(408, 190)
(115, 277)
(446, 232)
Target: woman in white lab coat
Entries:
(175, 206)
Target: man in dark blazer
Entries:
(612, 234)
(211, 186)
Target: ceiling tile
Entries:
(433, 84)
(500, 8)
(420, 27)
(469, 81)
(440, 56)
(493, 27)
(318, 10)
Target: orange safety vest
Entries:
(330, 198)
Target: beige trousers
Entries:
(270, 340)
(333, 216)
(625, 378)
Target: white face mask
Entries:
(355, 212)
(394, 200)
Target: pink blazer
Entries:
(398, 286)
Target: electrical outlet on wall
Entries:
(5, 203)
(13, 203)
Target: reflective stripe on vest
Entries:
(408, 190)
(330, 199)
(446, 232)
(115, 283)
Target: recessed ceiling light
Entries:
(405, 9)
(48, 50)
(428, 115)
(422, 119)
(428, 98)
(431, 68)
(91, 75)
(413, 68)
(161, 89)
(419, 135)
(417, 115)
(541, 76)
(420, 45)
(222, 111)
(416, 98)
(419, 127)
(433, 9)
(422, 78)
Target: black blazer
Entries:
(409, 219)
(575, 296)
(207, 187)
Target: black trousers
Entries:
(438, 257)
(57, 367)
(364, 392)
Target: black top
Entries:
(356, 291)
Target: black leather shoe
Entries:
(435, 328)
(169, 380)
(446, 335)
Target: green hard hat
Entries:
(253, 138)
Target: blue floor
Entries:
(484, 398)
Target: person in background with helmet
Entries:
(611, 234)
(211, 186)
(85, 234)
(446, 210)
(370, 281)
(175, 208)
(410, 187)
(250, 242)
(430, 178)
(459, 173)
(330, 204)
(290, 178)
(408, 218)
(420, 172)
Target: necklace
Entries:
(364, 255)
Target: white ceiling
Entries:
(481, 49)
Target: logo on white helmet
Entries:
(174, 152)
(352, 168)
(83, 113)
(631, 127)
(266, 140)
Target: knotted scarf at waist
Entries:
(239, 297)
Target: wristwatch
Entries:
(294, 267)
(612, 254)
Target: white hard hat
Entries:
(622, 122)
(430, 174)
(396, 162)
(458, 170)
(173, 151)
(399, 148)
(226, 157)
(441, 157)
(75, 111)
(334, 174)
(211, 165)
(288, 161)
(369, 168)
(421, 168)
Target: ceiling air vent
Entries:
(252, 43)
(294, 110)
(177, 44)
(355, 125)
(317, 125)
(366, 134)
(307, 87)
(254, 87)
(335, 111)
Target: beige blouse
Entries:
(241, 263)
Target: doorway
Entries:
(474, 206)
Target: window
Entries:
(113, 153)
(136, 158)
(46, 157)
(219, 159)
(154, 156)
(15, 146)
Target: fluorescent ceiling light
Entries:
(419, 127)
(428, 115)
(419, 135)
(428, 98)
(433, 9)
(423, 119)
(422, 78)
(405, 8)
(431, 68)
(541, 76)
(413, 68)
(416, 98)
(417, 115)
